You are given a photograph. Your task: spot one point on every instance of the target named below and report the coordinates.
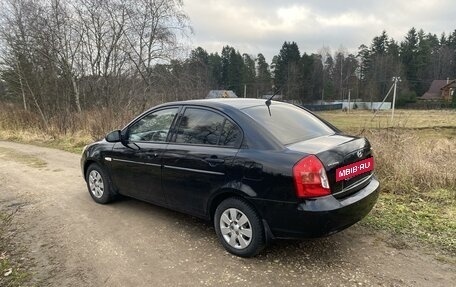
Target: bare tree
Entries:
(69, 55)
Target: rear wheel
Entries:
(98, 184)
(239, 227)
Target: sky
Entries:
(261, 26)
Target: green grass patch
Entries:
(13, 155)
(425, 217)
(12, 274)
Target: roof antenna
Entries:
(268, 101)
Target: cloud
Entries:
(350, 19)
(262, 26)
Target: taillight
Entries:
(310, 178)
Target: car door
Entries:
(136, 163)
(198, 159)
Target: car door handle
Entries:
(214, 160)
(152, 156)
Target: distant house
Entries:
(440, 90)
(215, 94)
(448, 91)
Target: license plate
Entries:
(355, 169)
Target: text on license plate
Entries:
(355, 169)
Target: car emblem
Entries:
(359, 153)
(333, 163)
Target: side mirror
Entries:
(114, 136)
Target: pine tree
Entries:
(263, 76)
(248, 75)
(287, 70)
(408, 50)
(215, 70)
(232, 70)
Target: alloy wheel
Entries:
(236, 228)
(96, 184)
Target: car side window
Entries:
(200, 126)
(231, 135)
(153, 127)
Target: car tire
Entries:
(98, 184)
(239, 227)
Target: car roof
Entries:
(238, 103)
(232, 107)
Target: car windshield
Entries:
(288, 123)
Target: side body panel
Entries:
(136, 170)
(192, 173)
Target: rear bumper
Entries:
(319, 217)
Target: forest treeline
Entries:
(59, 57)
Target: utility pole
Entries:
(395, 80)
(340, 84)
(323, 88)
(381, 104)
(349, 93)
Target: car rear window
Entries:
(288, 123)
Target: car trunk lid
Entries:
(337, 151)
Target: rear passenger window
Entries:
(199, 126)
(231, 135)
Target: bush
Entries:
(405, 97)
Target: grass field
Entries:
(415, 162)
(416, 119)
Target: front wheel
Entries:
(239, 227)
(98, 184)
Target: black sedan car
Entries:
(258, 170)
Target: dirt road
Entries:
(73, 241)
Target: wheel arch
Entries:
(245, 193)
(88, 162)
(225, 193)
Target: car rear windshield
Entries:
(288, 123)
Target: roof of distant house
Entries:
(434, 92)
(276, 97)
(215, 94)
(451, 84)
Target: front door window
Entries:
(154, 127)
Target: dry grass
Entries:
(415, 160)
(73, 142)
(68, 131)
